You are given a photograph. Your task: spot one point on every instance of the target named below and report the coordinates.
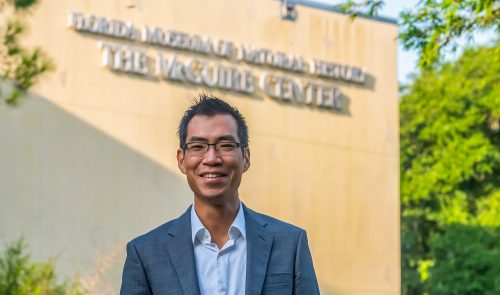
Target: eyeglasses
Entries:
(200, 149)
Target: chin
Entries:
(214, 197)
(209, 195)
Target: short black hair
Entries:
(210, 105)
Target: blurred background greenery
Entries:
(19, 275)
(450, 184)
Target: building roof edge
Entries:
(334, 8)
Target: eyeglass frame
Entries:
(238, 145)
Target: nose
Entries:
(212, 156)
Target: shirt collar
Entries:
(238, 224)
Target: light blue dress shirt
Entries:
(220, 271)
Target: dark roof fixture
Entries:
(288, 10)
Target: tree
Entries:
(20, 276)
(450, 175)
(435, 25)
(466, 261)
(19, 67)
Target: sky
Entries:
(407, 60)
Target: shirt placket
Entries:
(223, 266)
(221, 273)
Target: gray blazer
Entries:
(278, 259)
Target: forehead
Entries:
(212, 127)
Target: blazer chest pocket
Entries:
(278, 278)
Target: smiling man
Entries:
(218, 246)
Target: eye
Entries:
(197, 146)
(227, 145)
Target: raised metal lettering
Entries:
(248, 82)
(264, 81)
(223, 49)
(108, 51)
(192, 69)
(209, 75)
(170, 68)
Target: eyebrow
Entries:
(220, 138)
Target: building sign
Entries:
(230, 71)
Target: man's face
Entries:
(213, 178)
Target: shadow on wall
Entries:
(75, 193)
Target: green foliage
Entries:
(434, 25)
(467, 259)
(19, 67)
(20, 276)
(22, 4)
(450, 175)
(367, 7)
(414, 249)
(489, 210)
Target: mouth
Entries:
(212, 175)
(213, 178)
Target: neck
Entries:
(217, 218)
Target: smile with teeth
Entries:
(212, 175)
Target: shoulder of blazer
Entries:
(272, 224)
(163, 231)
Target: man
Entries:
(218, 246)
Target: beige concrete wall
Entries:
(88, 160)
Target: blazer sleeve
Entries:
(304, 277)
(134, 279)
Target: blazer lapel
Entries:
(181, 253)
(259, 243)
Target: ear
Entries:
(180, 160)
(246, 159)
